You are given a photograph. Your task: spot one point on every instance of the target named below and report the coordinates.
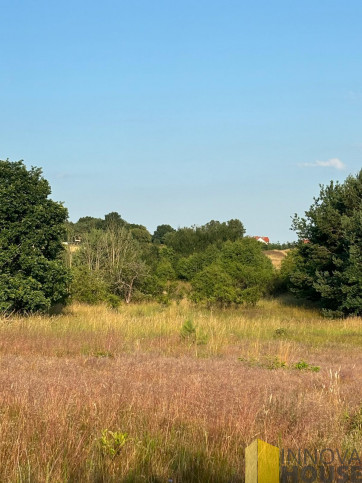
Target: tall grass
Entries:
(98, 395)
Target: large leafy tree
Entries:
(160, 233)
(113, 259)
(328, 263)
(32, 273)
(241, 273)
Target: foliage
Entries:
(160, 233)
(280, 332)
(287, 268)
(328, 268)
(112, 442)
(113, 221)
(32, 273)
(103, 354)
(267, 362)
(87, 286)
(275, 363)
(190, 333)
(127, 260)
(86, 224)
(186, 241)
(278, 246)
(188, 267)
(164, 271)
(305, 366)
(214, 286)
(240, 274)
(113, 258)
(141, 234)
(199, 255)
(354, 421)
(75, 231)
(188, 330)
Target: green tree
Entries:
(141, 234)
(188, 267)
(214, 285)
(115, 258)
(251, 271)
(241, 274)
(329, 267)
(113, 220)
(186, 241)
(160, 233)
(84, 225)
(32, 273)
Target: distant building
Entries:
(262, 239)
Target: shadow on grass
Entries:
(185, 467)
(291, 300)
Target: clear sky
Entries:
(184, 111)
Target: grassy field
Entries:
(154, 393)
(277, 256)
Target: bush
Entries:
(213, 285)
(88, 287)
(241, 274)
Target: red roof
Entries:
(264, 238)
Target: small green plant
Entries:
(102, 353)
(281, 332)
(113, 301)
(164, 299)
(305, 366)
(201, 337)
(354, 421)
(252, 362)
(112, 442)
(275, 363)
(266, 362)
(188, 330)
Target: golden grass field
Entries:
(277, 256)
(96, 395)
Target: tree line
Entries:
(116, 260)
(45, 260)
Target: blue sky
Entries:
(183, 112)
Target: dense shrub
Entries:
(241, 274)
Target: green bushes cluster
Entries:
(211, 264)
(239, 274)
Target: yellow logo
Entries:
(261, 463)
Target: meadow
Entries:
(173, 393)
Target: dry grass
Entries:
(276, 256)
(184, 408)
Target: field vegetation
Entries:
(171, 352)
(153, 392)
